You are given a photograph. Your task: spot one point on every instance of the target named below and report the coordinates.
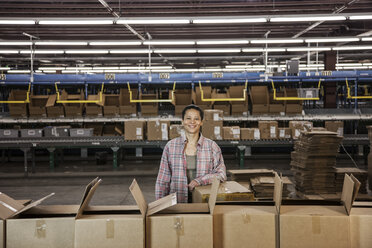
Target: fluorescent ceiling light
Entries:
(4, 68)
(19, 71)
(153, 21)
(300, 49)
(51, 68)
(252, 50)
(186, 70)
(351, 39)
(352, 48)
(175, 51)
(69, 72)
(106, 68)
(61, 43)
(360, 17)
(233, 69)
(276, 41)
(116, 71)
(169, 42)
(9, 51)
(352, 67)
(275, 49)
(221, 50)
(367, 39)
(75, 22)
(115, 43)
(130, 51)
(228, 20)
(42, 51)
(349, 64)
(49, 71)
(15, 43)
(159, 67)
(86, 51)
(219, 42)
(78, 68)
(307, 18)
(162, 70)
(210, 69)
(17, 22)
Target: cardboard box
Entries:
(73, 109)
(250, 134)
(150, 108)
(213, 115)
(361, 225)
(56, 131)
(81, 132)
(37, 105)
(2, 234)
(18, 109)
(108, 226)
(228, 191)
(238, 107)
(176, 131)
(97, 128)
(293, 106)
(260, 100)
(284, 133)
(111, 105)
(221, 105)
(9, 133)
(277, 106)
(134, 130)
(112, 129)
(248, 224)
(318, 225)
(31, 133)
(53, 108)
(94, 109)
(268, 129)
(197, 97)
(213, 130)
(231, 133)
(182, 98)
(169, 224)
(335, 126)
(157, 130)
(299, 126)
(126, 107)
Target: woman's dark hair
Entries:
(192, 106)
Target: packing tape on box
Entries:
(40, 229)
(315, 221)
(178, 225)
(246, 218)
(110, 229)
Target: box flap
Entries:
(356, 187)
(161, 204)
(8, 206)
(88, 194)
(347, 193)
(278, 190)
(51, 100)
(33, 204)
(138, 197)
(213, 195)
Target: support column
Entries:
(139, 152)
(115, 157)
(33, 160)
(241, 156)
(25, 151)
(330, 88)
(51, 158)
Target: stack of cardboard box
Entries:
(197, 97)
(299, 126)
(148, 108)
(134, 130)
(37, 105)
(335, 126)
(175, 131)
(73, 109)
(268, 129)
(231, 133)
(18, 109)
(277, 106)
(249, 134)
(126, 107)
(221, 105)
(53, 108)
(157, 130)
(292, 106)
(238, 107)
(212, 124)
(111, 105)
(260, 100)
(313, 161)
(284, 133)
(182, 99)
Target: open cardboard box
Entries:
(260, 99)
(182, 98)
(318, 223)
(361, 225)
(238, 107)
(111, 105)
(73, 109)
(126, 107)
(254, 223)
(54, 109)
(18, 109)
(108, 226)
(37, 105)
(173, 225)
(94, 109)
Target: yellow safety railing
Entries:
(349, 96)
(285, 98)
(79, 101)
(151, 100)
(224, 99)
(21, 101)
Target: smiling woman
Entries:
(189, 160)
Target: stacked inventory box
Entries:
(149, 108)
(182, 98)
(73, 109)
(212, 125)
(222, 105)
(277, 106)
(249, 133)
(157, 130)
(268, 129)
(293, 106)
(197, 97)
(126, 107)
(231, 133)
(134, 130)
(313, 161)
(238, 107)
(37, 105)
(299, 126)
(175, 131)
(94, 109)
(18, 109)
(260, 100)
(53, 108)
(284, 133)
(361, 175)
(263, 186)
(111, 105)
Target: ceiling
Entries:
(38, 9)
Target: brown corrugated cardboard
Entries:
(260, 99)
(94, 109)
(238, 107)
(175, 131)
(293, 106)
(149, 108)
(207, 94)
(248, 224)
(335, 126)
(213, 115)
(54, 109)
(134, 130)
(228, 191)
(318, 225)
(276, 106)
(284, 133)
(108, 226)
(169, 224)
(268, 129)
(231, 133)
(221, 105)
(126, 107)
(73, 109)
(18, 109)
(299, 126)
(37, 105)
(213, 130)
(250, 134)
(182, 98)
(111, 105)
(361, 225)
(2, 234)
(97, 128)
(112, 130)
(158, 130)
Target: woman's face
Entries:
(192, 121)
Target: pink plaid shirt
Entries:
(172, 172)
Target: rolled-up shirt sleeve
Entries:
(162, 186)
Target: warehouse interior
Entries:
(92, 92)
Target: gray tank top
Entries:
(190, 167)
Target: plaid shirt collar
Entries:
(200, 141)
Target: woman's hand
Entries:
(192, 185)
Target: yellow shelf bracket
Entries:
(293, 98)
(151, 100)
(241, 99)
(21, 101)
(78, 101)
(349, 96)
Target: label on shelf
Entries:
(216, 117)
(256, 134)
(273, 132)
(281, 133)
(164, 131)
(139, 131)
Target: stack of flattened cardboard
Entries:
(370, 158)
(313, 161)
(361, 175)
(212, 125)
(246, 175)
(299, 126)
(335, 126)
(263, 186)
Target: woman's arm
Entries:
(162, 186)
